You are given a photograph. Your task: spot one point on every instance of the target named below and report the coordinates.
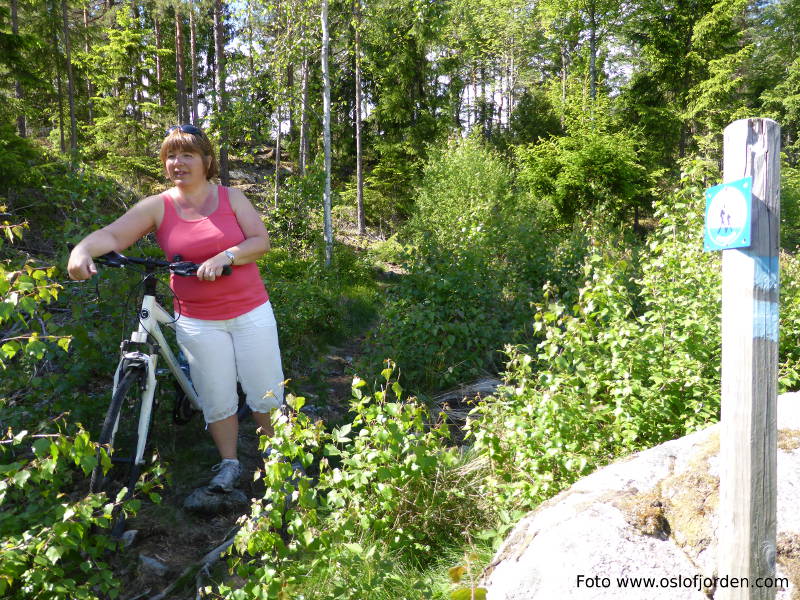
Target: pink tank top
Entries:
(197, 241)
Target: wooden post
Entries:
(748, 435)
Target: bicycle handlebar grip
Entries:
(112, 259)
(226, 270)
(187, 269)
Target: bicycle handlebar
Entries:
(184, 268)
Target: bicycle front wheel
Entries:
(119, 435)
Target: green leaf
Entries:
(20, 477)
(307, 537)
(53, 553)
(456, 573)
(6, 310)
(41, 447)
(295, 402)
(36, 348)
(354, 548)
(9, 349)
(340, 434)
(468, 594)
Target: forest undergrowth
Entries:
(606, 340)
(531, 180)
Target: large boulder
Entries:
(652, 515)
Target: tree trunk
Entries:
(279, 30)
(359, 169)
(219, 46)
(137, 74)
(476, 117)
(180, 70)
(193, 51)
(87, 48)
(290, 91)
(60, 109)
(250, 59)
(511, 83)
(57, 67)
(21, 127)
(303, 151)
(277, 155)
(484, 104)
(564, 66)
(159, 72)
(326, 136)
(73, 125)
(592, 49)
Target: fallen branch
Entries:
(36, 436)
(199, 568)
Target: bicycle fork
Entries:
(139, 360)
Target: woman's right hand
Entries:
(80, 266)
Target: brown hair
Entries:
(181, 141)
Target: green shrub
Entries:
(388, 490)
(389, 251)
(316, 305)
(479, 256)
(459, 202)
(291, 223)
(790, 208)
(633, 363)
(789, 366)
(586, 172)
(17, 155)
(53, 546)
(443, 323)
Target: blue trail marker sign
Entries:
(729, 215)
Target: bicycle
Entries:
(135, 384)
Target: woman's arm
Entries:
(119, 235)
(254, 245)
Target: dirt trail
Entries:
(176, 538)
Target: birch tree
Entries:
(21, 128)
(359, 166)
(326, 133)
(73, 125)
(180, 67)
(219, 46)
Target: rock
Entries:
(650, 515)
(150, 568)
(129, 537)
(209, 503)
(242, 176)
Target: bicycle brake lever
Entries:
(185, 268)
(112, 259)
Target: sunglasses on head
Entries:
(187, 128)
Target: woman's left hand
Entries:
(212, 268)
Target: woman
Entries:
(225, 325)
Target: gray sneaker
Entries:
(227, 477)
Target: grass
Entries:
(381, 575)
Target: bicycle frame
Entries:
(149, 336)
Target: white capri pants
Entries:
(220, 352)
